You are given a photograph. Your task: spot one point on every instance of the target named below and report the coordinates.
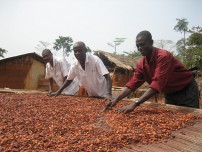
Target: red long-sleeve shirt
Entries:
(164, 73)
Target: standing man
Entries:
(164, 74)
(57, 69)
(91, 72)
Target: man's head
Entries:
(144, 43)
(80, 51)
(47, 55)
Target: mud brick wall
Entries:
(20, 73)
(14, 72)
(120, 80)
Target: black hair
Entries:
(82, 44)
(46, 50)
(146, 34)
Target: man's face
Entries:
(47, 56)
(144, 46)
(79, 52)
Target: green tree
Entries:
(193, 54)
(195, 39)
(182, 26)
(192, 57)
(180, 46)
(134, 53)
(63, 43)
(196, 29)
(2, 52)
(88, 49)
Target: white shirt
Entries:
(59, 70)
(92, 78)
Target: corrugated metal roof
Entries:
(32, 54)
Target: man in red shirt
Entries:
(164, 74)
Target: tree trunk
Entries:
(184, 41)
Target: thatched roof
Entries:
(118, 61)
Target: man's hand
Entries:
(109, 97)
(111, 104)
(54, 93)
(125, 92)
(49, 92)
(128, 108)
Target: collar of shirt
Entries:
(153, 57)
(54, 64)
(86, 61)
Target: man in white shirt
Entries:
(57, 69)
(91, 72)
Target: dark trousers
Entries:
(188, 97)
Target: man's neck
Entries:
(51, 63)
(150, 54)
(82, 63)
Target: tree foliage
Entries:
(180, 45)
(63, 43)
(192, 56)
(88, 49)
(195, 39)
(2, 52)
(42, 45)
(134, 53)
(182, 26)
(164, 44)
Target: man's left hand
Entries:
(54, 93)
(109, 97)
(128, 108)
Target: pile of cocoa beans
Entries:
(36, 122)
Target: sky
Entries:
(95, 22)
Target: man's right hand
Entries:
(49, 92)
(111, 104)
